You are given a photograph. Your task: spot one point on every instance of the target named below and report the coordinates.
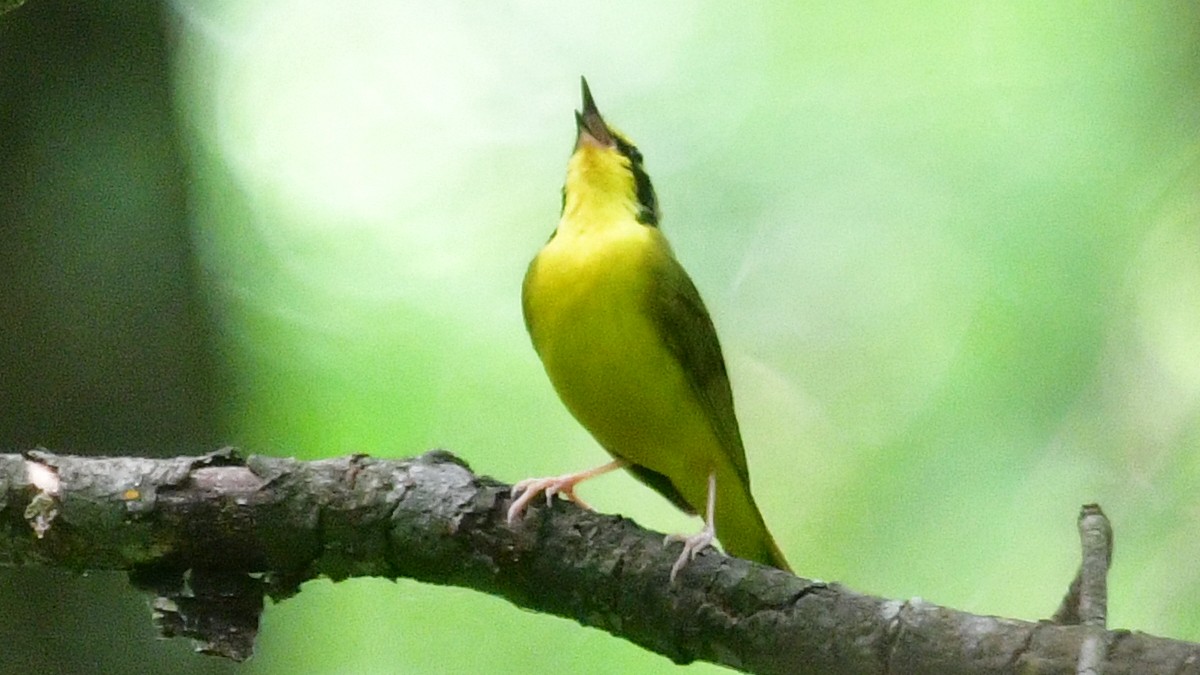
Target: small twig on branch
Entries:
(1086, 601)
(211, 535)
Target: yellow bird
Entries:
(632, 352)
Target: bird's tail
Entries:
(740, 526)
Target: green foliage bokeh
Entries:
(953, 253)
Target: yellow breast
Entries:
(586, 305)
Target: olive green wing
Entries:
(687, 330)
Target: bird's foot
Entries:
(692, 545)
(524, 491)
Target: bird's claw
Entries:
(524, 492)
(692, 545)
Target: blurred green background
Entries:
(953, 252)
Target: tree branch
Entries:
(211, 535)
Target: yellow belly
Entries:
(586, 306)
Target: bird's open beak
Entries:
(590, 127)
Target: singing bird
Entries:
(632, 352)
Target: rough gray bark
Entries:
(1086, 601)
(211, 535)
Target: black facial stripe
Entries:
(645, 196)
(648, 214)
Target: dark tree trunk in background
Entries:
(103, 338)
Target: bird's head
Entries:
(605, 171)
